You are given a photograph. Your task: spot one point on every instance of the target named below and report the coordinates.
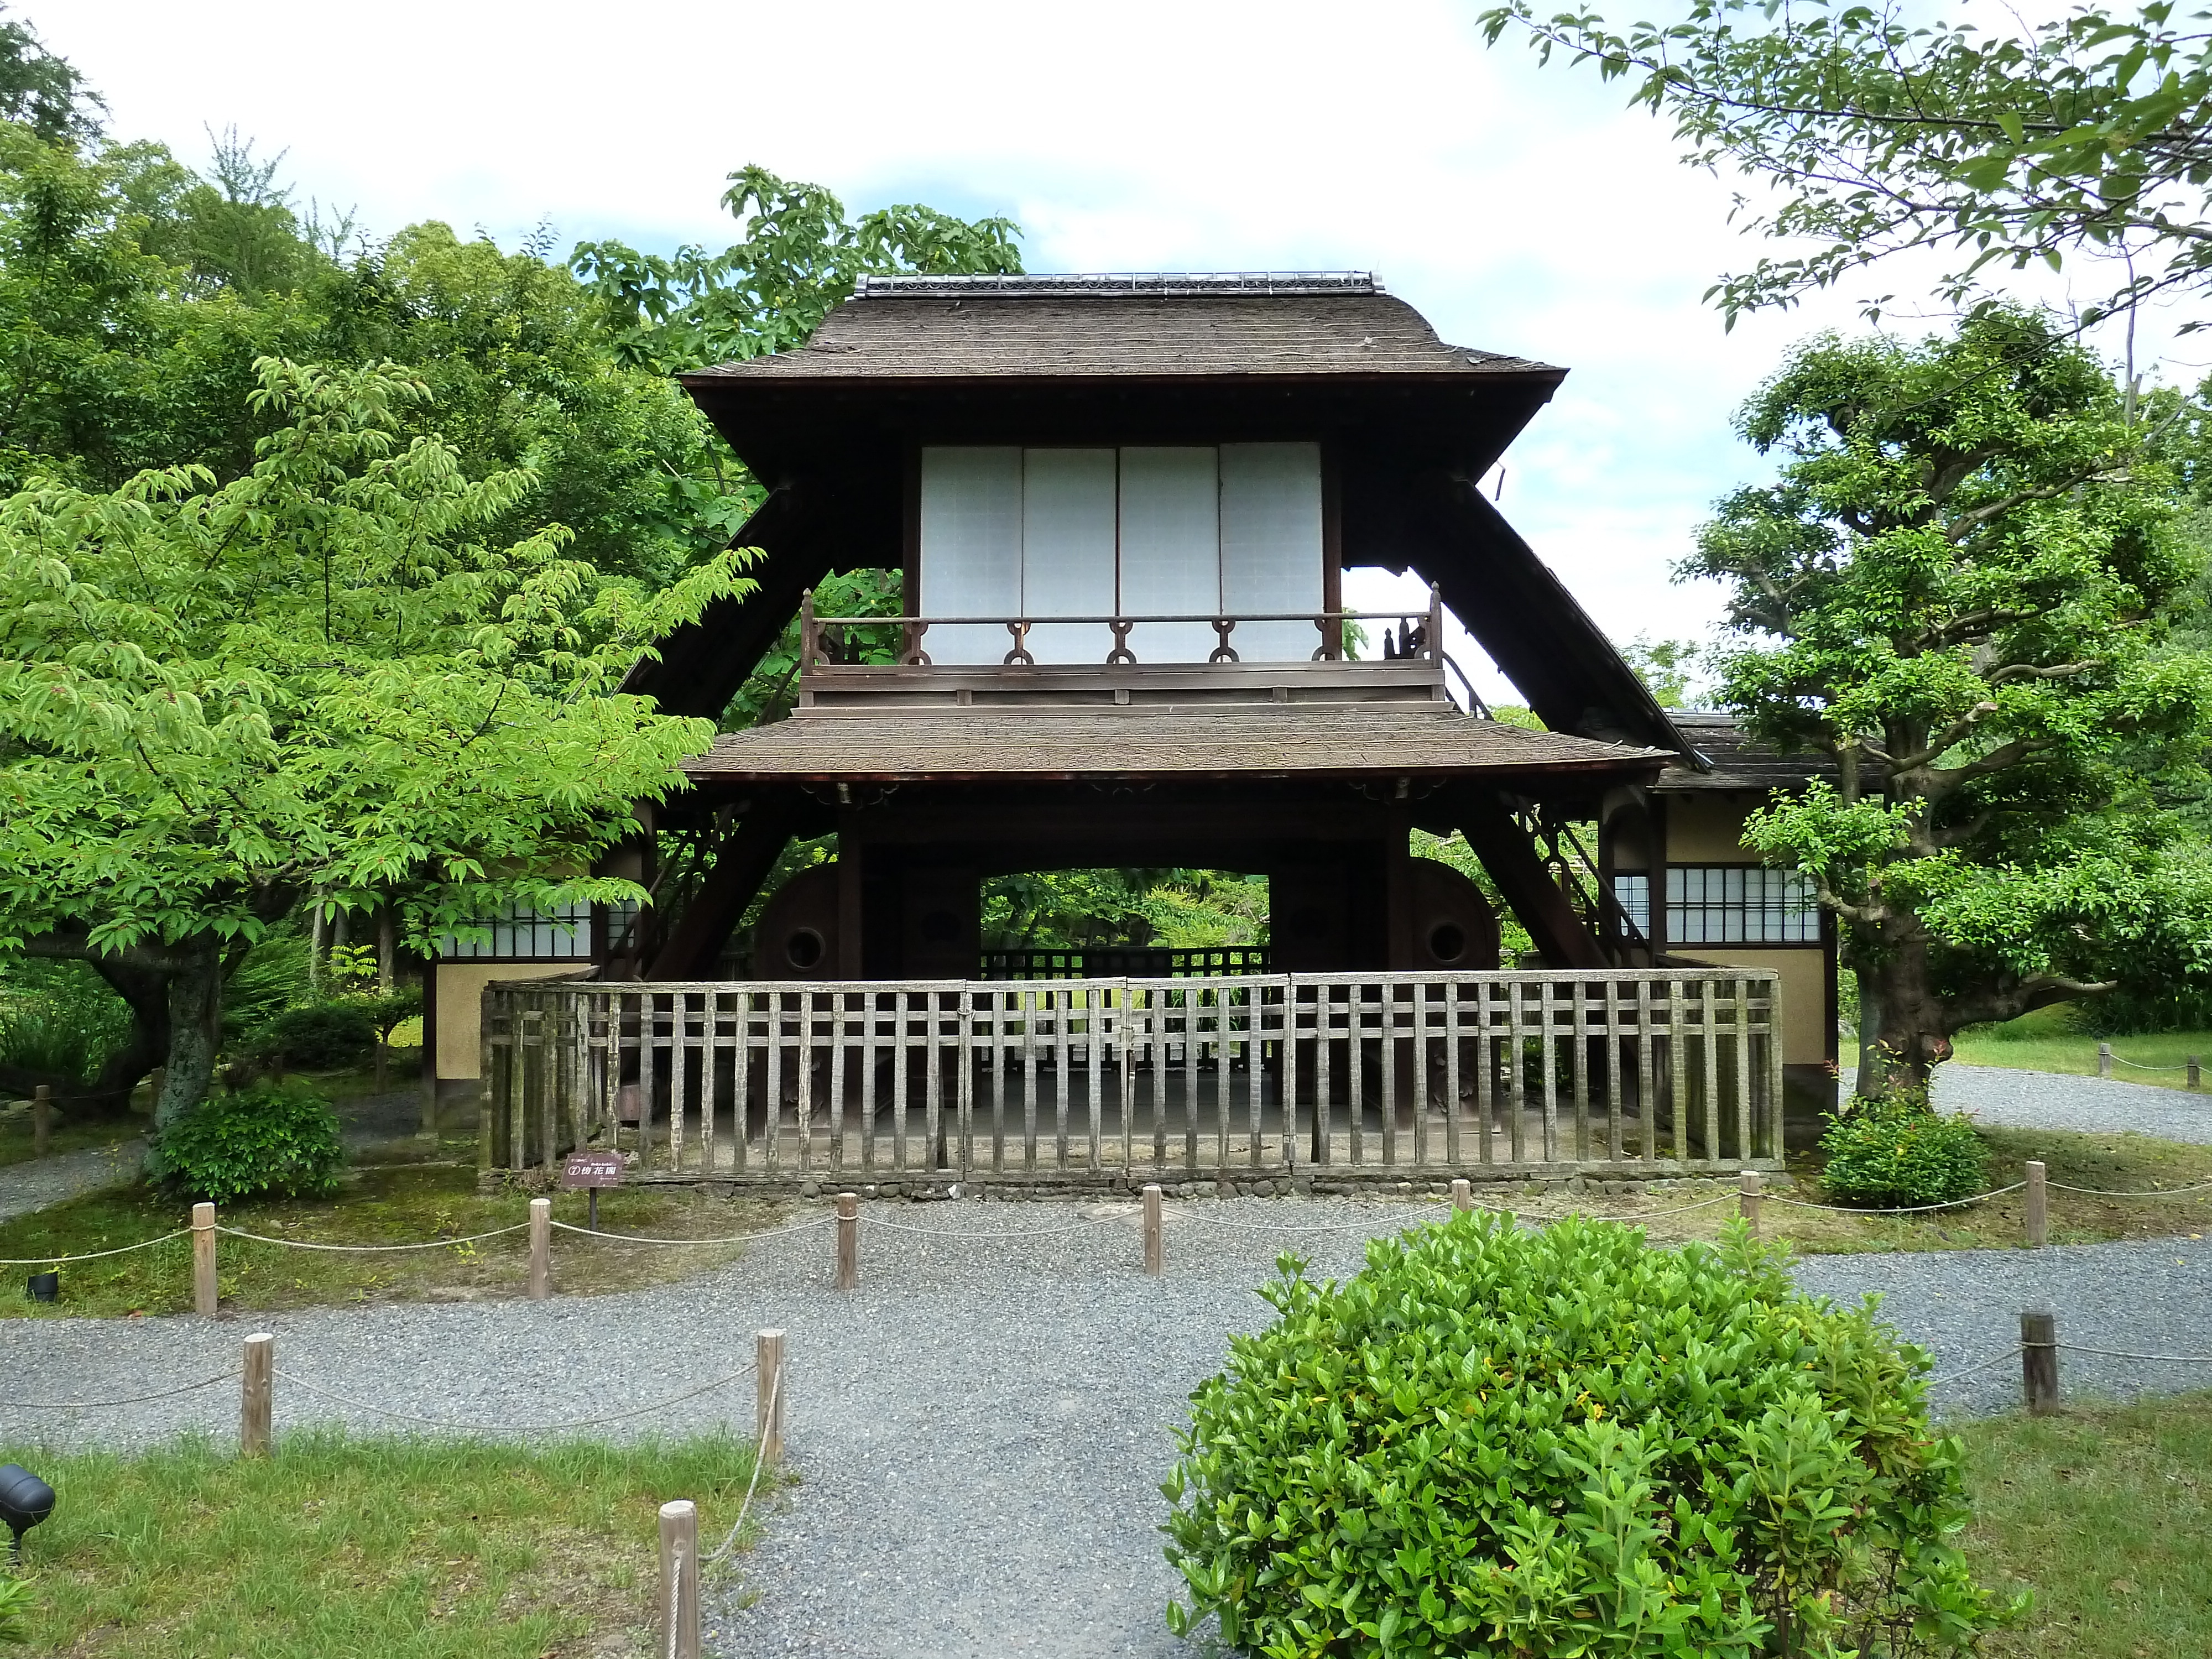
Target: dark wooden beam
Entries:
(1527, 886)
(741, 865)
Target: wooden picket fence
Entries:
(1114, 1082)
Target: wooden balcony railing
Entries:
(1126, 961)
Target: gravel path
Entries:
(979, 1430)
(36, 1182)
(2055, 1100)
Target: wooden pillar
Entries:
(770, 1401)
(1747, 1199)
(540, 1249)
(852, 870)
(848, 1241)
(1462, 1196)
(1155, 1246)
(256, 1394)
(2104, 1060)
(204, 1278)
(429, 1071)
(2038, 1362)
(42, 1120)
(678, 1612)
(2038, 1197)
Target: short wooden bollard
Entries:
(848, 1241)
(42, 1120)
(2038, 1197)
(1747, 1195)
(540, 1249)
(1463, 1195)
(768, 1397)
(203, 1281)
(2038, 1362)
(679, 1580)
(1156, 1243)
(2196, 1073)
(256, 1394)
(2104, 1060)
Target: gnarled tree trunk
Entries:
(195, 998)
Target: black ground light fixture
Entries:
(44, 1287)
(25, 1500)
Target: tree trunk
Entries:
(1904, 1031)
(387, 947)
(195, 1031)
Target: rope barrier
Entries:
(1994, 1359)
(2139, 1066)
(134, 1400)
(760, 1448)
(1909, 1209)
(371, 1249)
(513, 1428)
(1682, 1209)
(955, 1232)
(94, 1256)
(2156, 1192)
(733, 1238)
(1203, 1219)
(2109, 1353)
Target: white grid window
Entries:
(1721, 904)
(521, 934)
(1632, 893)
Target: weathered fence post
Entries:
(203, 1281)
(1462, 1196)
(848, 1241)
(257, 1389)
(679, 1579)
(2038, 1362)
(2196, 1073)
(2038, 1205)
(1747, 1199)
(1156, 1244)
(768, 1397)
(42, 1120)
(540, 1249)
(2104, 1060)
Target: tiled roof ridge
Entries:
(1112, 284)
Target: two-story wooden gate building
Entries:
(1123, 507)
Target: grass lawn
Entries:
(403, 1549)
(2102, 1515)
(2045, 1041)
(391, 1205)
(16, 1141)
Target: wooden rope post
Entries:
(679, 1580)
(1462, 1196)
(540, 1249)
(203, 1281)
(1156, 1243)
(2104, 1060)
(1747, 1195)
(2038, 1205)
(848, 1241)
(42, 1120)
(769, 1402)
(256, 1394)
(2196, 1073)
(2038, 1362)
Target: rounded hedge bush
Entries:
(1899, 1152)
(321, 1037)
(266, 1140)
(1499, 1441)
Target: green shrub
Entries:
(275, 1138)
(1506, 1441)
(59, 1017)
(1898, 1152)
(319, 1037)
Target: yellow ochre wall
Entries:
(1708, 829)
(460, 1007)
(1804, 980)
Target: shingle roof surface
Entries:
(1738, 761)
(940, 330)
(1373, 740)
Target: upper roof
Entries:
(1286, 740)
(1162, 326)
(1738, 761)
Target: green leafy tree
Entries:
(799, 259)
(43, 91)
(1956, 590)
(2086, 134)
(318, 678)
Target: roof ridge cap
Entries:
(1106, 285)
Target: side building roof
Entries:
(1736, 761)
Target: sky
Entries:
(1520, 209)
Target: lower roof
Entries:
(1291, 740)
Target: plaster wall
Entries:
(1708, 829)
(460, 1007)
(1804, 983)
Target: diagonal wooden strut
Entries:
(1507, 852)
(741, 865)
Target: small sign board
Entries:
(593, 1169)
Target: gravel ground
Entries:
(979, 1430)
(2055, 1100)
(37, 1182)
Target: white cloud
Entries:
(1522, 209)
